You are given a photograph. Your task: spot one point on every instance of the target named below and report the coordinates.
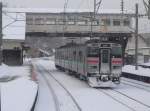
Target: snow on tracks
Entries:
(63, 99)
(91, 99)
(130, 97)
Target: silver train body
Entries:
(99, 63)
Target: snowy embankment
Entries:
(17, 88)
(141, 71)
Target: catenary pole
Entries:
(92, 18)
(136, 37)
(149, 9)
(1, 33)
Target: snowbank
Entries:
(17, 88)
(146, 64)
(141, 71)
(18, 95)
(11, 72)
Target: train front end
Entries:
(104, 64)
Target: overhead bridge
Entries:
(77, 34)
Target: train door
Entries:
(105, 61)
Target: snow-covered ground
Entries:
(141, 71)
(18, 71)
(123, 98)
(17, 89)
(146, 64)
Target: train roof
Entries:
(119, 38)
(70, 45)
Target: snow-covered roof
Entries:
(141, 71)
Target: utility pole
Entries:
(64, 19)
(122, 6)
(93, 18)
(94, 8)
(1, 39)
(149, 9)
(136, 37)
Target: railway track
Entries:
(117, 100)
(56, 102)
(62, 86)
(108, 92)
(148, 106)
(137, 85)
(125, 102)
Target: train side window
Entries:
(74, 55)
(56, 54)
(67, 56)
(80, 56)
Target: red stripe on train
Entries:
(92, 60)
(116, 61)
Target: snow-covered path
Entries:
(90, 99)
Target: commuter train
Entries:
(99, 62)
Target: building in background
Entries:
(13, 52)
(50, 30)
(144, 43)
(13, 37)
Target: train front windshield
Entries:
(117, 52)
(93, 52)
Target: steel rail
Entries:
(57, 107)
(117, 100)
(68, 92)
(148, 106)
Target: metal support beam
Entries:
(136, 37)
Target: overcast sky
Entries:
(73, 4)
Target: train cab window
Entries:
(93, 52)
(116, 51)
(105, 56)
